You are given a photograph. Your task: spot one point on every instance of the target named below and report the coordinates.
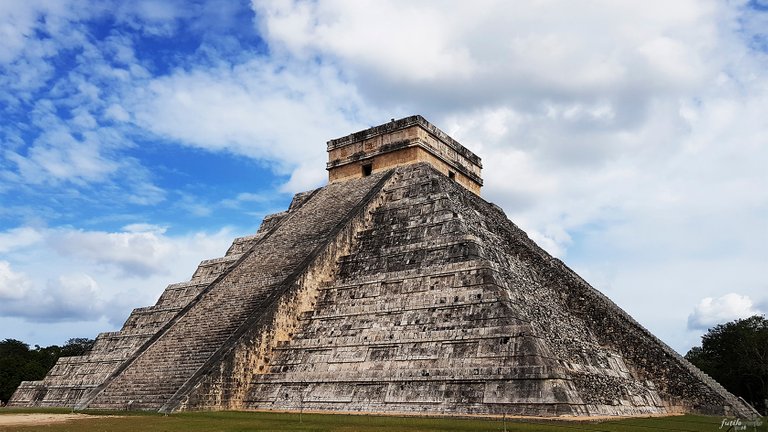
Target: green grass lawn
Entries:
(251, 421)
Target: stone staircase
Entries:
(249, 283)
(72, 378)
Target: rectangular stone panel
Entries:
(264, 392)
(464, 392)
(415, 392)
(348, 354)
(366, 393)
(329, 392)
(419, 351)
(528, 391)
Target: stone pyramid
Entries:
(393, 289)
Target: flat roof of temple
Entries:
(404, 123)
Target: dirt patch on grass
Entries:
(40, 419)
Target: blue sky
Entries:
(137, 138)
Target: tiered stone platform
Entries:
(393, 289)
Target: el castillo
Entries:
(394, 289)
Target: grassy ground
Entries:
(251, 421)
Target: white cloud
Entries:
(24, 56)
(68, 297)
(712, 311)
(18, 238)
(66, 126)
(58, 156)
(13, 285)
(139, 228)
(143, 192)
(245, 197)
(278, 113)
(73, 296)
(570, 121)
(627, 136)
(457, 53)
(386, 34)
(75, 275)
(141, 250)
(153, 17)
(304, 177)
(62, 299)
(117, 113)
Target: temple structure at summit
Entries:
(393, 289)
(408, 141)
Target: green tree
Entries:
(20, 363)
(76, 347)
(14, 356)
(735, 354)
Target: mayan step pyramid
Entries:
(393, 289)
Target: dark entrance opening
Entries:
(452, 175)
(367, 169)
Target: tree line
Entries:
(19, 362)
(735, 354)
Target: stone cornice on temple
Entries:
(399, 142)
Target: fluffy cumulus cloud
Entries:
(253, 109)
(494, 52)
(33, 32)
(17, 238)
(13, 285)
(60, 89)
(626, 137)
(69, 297)
(65, 274)
(570, 121)
(712, 311)
(139, 251)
